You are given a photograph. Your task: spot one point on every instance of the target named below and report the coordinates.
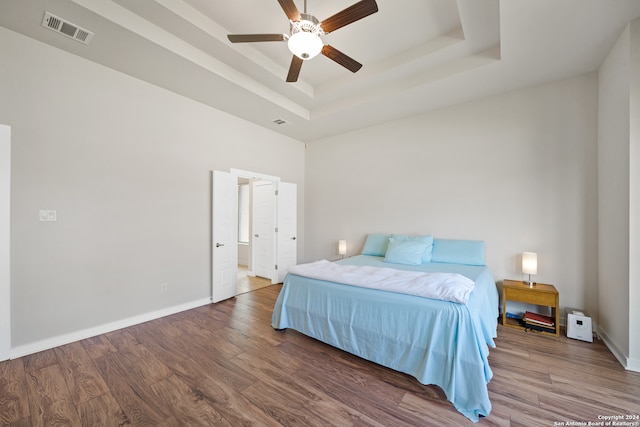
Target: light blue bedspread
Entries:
(437, 342)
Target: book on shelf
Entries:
(539, 319)
(536, 327)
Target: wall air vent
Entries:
(66, 28)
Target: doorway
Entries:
(5, 242)
(269, 254)
(253, 196)
(260, 250)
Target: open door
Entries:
(287, 230)
(5, 227)
(224, 244)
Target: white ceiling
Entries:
(417, 55)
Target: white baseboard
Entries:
(633, 364)
(626, 362)
(59, 340)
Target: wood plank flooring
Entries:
(223, 364)
(248, 283)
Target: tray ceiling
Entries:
(417, 55)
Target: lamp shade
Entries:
(529, 263)
(305, 45)
(342, 247)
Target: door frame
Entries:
(5, 242)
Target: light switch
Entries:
(48, 215)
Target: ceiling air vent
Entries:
(68, 29)
(280, 121)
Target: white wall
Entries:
(613, 194)
(516, 170)
(619, 197)
(127, 167)
(5, 248)
(243, 254)
(634, 199)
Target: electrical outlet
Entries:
(163, 288)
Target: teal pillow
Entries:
(469, 252)
(427, 240)
(403, 251)
(376, 244)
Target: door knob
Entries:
(293, 238)
(219, 244)
(256, 235)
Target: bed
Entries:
(438, 342)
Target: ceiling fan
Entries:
(305, 42)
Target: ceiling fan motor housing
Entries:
(305, 40)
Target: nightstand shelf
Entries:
(540, 294)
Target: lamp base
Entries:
(530, 282)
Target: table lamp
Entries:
(342, 248)
(530, 265)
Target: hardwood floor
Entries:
(223, 364)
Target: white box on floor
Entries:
(579, 325)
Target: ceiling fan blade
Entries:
(294, 69)
(248, 38)
(351, 14)
(290, 9)
(342, 59)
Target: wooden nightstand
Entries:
(540, 294)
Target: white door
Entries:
(224, 236)
(263, 228)
(287, 234)
(5, 226)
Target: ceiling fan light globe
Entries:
(305, 45)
